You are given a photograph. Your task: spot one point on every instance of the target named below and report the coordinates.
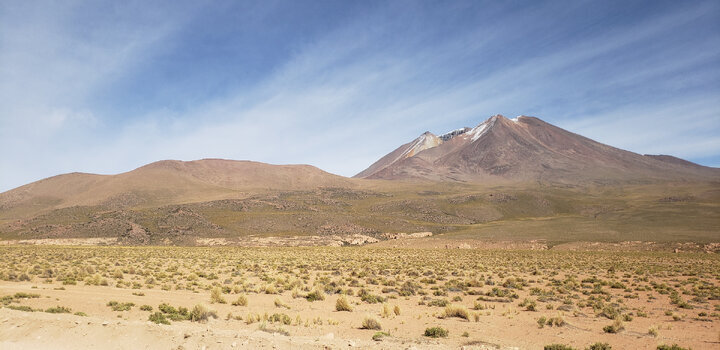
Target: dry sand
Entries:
(505, 327)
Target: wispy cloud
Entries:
(344, 96)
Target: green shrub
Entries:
(281, 318)
(672, 347)
(541, 321)
(146, 308)
(58, 310)
(159, 318)
(20, 308)
(167, 309)
(439, 302)
(378, 336)
(600, 346)
(529, 305)
(558, 347)
(370, 298)
(315, 295)
(116, 306)
(179, 314)
(436, 332)
(22, 295)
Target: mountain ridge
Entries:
(163, 182)
(527, 148)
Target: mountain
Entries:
(161, 183)
(527, 149)
(504, 180)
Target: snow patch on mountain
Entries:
(425, 141)
(482, 129)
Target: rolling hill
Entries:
(504, 180)
(161, 183)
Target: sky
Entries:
(108, 86)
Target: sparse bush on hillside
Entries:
(159, 318)
(457, 311)
(315, 295)
(599, 346)
(436, 332)
(342, 304)
(671, 347)
(216, 296)
(240, 301)
(556, 321)
(58, 310)
(371, 323)
(615, 327)
(378, 336)
(201, 314)
(116, 306)
(558, 347)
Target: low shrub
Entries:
(159, 318)
(371, 323)
(315, 295)
(457, 311)
(116, 306)
(240, 301)
(558, 347)
(615, 327)
(20, 308)
(216, 296)
(378, 336)
(342, 304)
(556, 321)
(436, 332)
(671, 347)
(58, 310)
(201, 314)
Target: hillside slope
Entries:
(162, 183)
(529, 149)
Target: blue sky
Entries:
(105, 87)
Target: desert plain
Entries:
(355, 297)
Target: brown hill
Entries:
(528, 149)
(162, 183)
(497, 181)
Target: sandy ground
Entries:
(504, 327)
(407, 241)
(21, 330)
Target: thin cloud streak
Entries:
(349, 96)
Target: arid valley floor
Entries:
(230, 297)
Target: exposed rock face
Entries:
(402, 235)
(526, 149)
